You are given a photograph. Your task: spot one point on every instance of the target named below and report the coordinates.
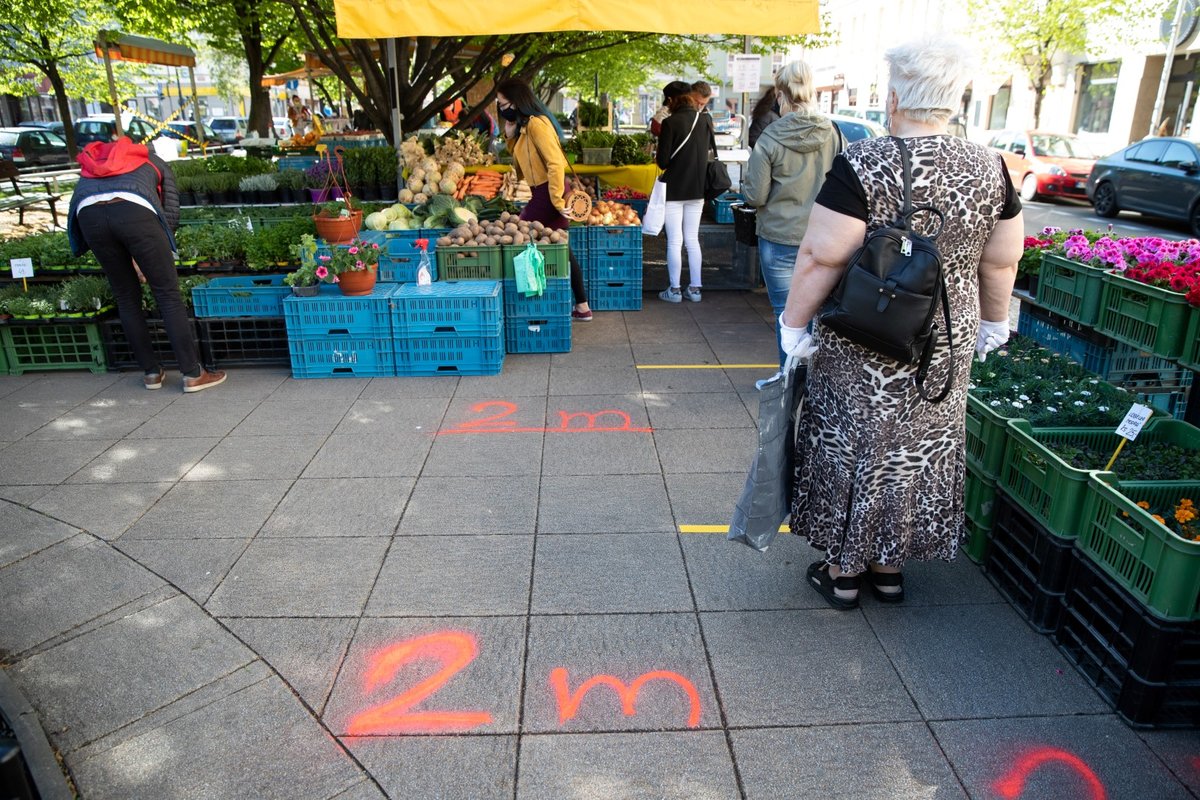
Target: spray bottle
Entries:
(424, 274)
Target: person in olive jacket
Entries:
(124, 209)
(786, 170)
(684, 146)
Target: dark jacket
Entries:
(684, 174)
(143, 182)
(759, 124)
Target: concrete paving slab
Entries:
(105, 510)
(210, 509)
(594, 379)
(259, 742)
(598, 356)
(678, 381)
(64, 586)
(495, 413)
(450, 506)
(63, 387)
(625, 647)
(1179, 751)
(425, 576)
(394, 416)
(1052, 756)
(311, 417)
(257, 457)
(306, 652)
(600, 453)
(762, 350)
(98, 419)
(940, 583)
(688, 765)
(900, 762)
(24, 495)
(11, 383)
(609, 573)
(410, 388)
(367, 790)
(485, 454)
(111, 676)
(194, 566)
(975, 661)
(18, 420)
(371, 455)
(440, 767)
(697, 411)
(695, 351)
(597, 411)
(252, 383)
(729, 576)
(325, 392)
(475, 663)
(145, 461)
(716, 450)
(216, 417)
(802, 668)
(606, 327)
(681, 331)
(24, 532)
(340, 507)
(300, 578)
(614, 503)
(32, 462)
(705, 498)
(523, 376)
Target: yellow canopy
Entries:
(143, 50)
(368, 19)
(296, 75)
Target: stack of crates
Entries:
(332, 335)
(613, 269)
(448, 328)
(539, 324)
(240, 321)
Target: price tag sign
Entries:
(21, 267)
(746, 71)
(1134, 421)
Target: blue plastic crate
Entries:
(342, 356)
(639, 206)
(469, 308)
(250, 296)
(1093, 356)
(578, 238)
(723, 207)
(403, 269)
(538, 334)
(615, 295)
(620, 238)
(296, 162)
(450, 354)
(1136, 369)
(1173, 404)
(393, 243)
(553, 302)
(332, 313)
(614, 266)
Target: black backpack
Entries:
(888, 298)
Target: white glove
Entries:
(797, 344)
(991, 336)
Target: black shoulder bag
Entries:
(716, 176)
(888, 298)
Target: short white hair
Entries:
(928, 77)
(794, 82)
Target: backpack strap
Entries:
(927, 355)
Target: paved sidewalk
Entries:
(281, 589)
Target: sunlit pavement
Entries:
(476, 588)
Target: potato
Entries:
(506, 239)
(489, 241)
(444, 241)
(505, 216)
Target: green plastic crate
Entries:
(1052, 490)
(1159, 568)
(987, 432)
(3, 361)
(980, 501)
(53, 347)
(1191, 352)
(470, 263)
(557, 260)
(977, 541)
(1145, 316)
(1069, 288)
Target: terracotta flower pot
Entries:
(357, 282)
(338, 230)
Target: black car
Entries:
(1159, 176)
(32, 147)
(103, 128)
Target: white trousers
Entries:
(683, 228)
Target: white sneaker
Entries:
(693, 293)
(671, 295)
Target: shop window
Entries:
(1097, 88)
(999, 116)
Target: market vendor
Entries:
(299, 116)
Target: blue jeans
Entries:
(776, 262)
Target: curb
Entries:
(49, 781)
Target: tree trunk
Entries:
(64, 107)
(259, 119)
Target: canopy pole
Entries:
(394, 91)
(112, 85)
(196, 111)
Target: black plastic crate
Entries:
(244, 341)
(118, 351)
(1147, 669)
(1029, 565)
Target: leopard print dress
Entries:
(880, 473)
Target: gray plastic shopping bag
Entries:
(767, 496)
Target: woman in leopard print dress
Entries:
(880, 472)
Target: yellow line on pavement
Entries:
(715, 529)
(708, 366)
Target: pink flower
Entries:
(374, 245)
(322, 272)
(336, 279)
(323, 258)
(358, 265)
(353, 250)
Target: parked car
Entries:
(178, 130)
(103, 128)
(1158, 176)
(854, 128)
(230, 129)
(32, 147)
(54, 126)
(1043, 163)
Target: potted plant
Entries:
(305, 280)
(1030, 264)
(292, 186)
(338, 221)
(386, 172)
(592, 115)
(200, 189)
(270, 246)
(183, 184)
(223, 187)
(596, 146)
(322, 187)
(359, 173)
(351, 267)
(31, 305)
(258, 188)
(87, 295)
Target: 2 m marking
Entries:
(568, 703)
(455, 649)
(499, 422)
(1012, 785)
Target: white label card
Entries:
(21, 267)
(1134, 421)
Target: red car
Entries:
(1045, 164)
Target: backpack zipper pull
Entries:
(905, 246)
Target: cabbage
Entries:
(377, 221)
(398, 225)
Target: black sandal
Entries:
(878, 579)
(820, 579)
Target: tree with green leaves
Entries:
(1031, 34)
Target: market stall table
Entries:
(639, 177)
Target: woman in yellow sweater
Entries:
(535, 141)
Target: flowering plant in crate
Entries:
(1182, 519)
(358, 256)
(306, 253)
(1164, 263)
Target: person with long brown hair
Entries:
(683, 149)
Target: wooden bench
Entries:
(23, 197)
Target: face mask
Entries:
(510, 114)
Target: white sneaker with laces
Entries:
(671, 295)
(693, 294)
